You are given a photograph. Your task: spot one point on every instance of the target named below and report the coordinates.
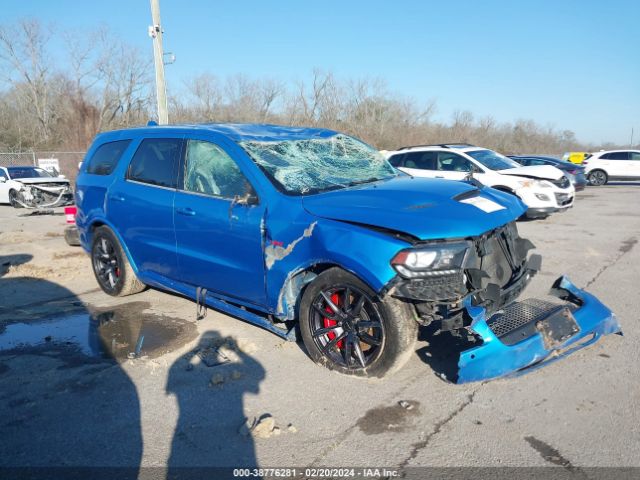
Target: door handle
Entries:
(117, 198)
(186, 211)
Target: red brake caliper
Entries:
(330, 323)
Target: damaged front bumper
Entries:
(49, 195)
(533, 333)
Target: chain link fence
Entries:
(16, 159)
(65, 162)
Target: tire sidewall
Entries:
(398, 326)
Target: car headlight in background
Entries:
(543, 184)
(429, 261)
(525, 183)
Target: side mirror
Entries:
(476, 169)
(248, 199)
(2, 179)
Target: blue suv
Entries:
(311, 232)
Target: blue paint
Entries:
(254, 258)
(494, 359)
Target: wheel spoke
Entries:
(369, 324)
(348, 346)
(334, 308)
(323, 312)
(358, 306)
(359, 354)
(332, 343)
(368, 339)
(347, 299)
(323, 331)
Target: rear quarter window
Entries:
(106, 157)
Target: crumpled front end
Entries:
(46, 195)
(532, 333)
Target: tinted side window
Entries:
(616, 156)
(155, 162)
(3, 175)
(634, 156)
(421, 160)
(451, 162)
(210, 171)
(396, 160)
(106, 157)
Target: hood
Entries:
(546, 172)
(41, 180)
(425, 208)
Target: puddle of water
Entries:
(384, 419)
(115, 333)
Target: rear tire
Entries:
(597, 178)
(365, 337)
(111, 266)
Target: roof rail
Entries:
(444, 145)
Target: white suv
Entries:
(600, 167)
(543, 188)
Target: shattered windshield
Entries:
(313, 165)
(493, 160)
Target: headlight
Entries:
(428, 261)
(543, 184)
(525, 183)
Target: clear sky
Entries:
(566, 63)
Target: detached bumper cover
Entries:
(548, 334)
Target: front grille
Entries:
(518, 320)
(561, 182)
(563, 199)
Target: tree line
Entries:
(95, 83)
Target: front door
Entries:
(452, 166)
(218, 222)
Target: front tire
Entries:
(347, 328)
(111, 266)
(597, 178)
(13, 199)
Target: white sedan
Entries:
(33, 187)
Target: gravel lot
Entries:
(62, 403)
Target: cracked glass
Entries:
(314, 165)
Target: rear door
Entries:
(140, 205)
(634, 164)
(618, 164)
(218, 233)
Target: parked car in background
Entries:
(277, 225)
(600, 167)
(33, 187)
(574, 172)
(544, 189)
(575, 157)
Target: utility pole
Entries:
(155, 32)
(631, 142)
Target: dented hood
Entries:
(546, 172)
(425, 208)
(42, 180)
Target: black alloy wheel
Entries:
(346, 327)
(106, 264)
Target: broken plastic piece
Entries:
(545, 335)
